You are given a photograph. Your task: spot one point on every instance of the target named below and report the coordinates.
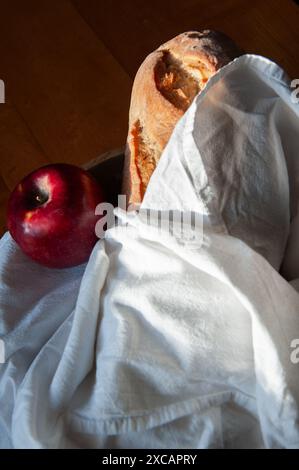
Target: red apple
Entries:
(51, 215)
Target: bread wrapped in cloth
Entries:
(164, 87)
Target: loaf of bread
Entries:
(164, 87)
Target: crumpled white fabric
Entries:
(164, 344)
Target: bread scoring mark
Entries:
(145, 161)
(179, 83)
(197, 34)
(194, 35)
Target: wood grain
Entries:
(20, 151)
(68, 67)
(63, 81)
(135, 28)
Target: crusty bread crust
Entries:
(164, 87)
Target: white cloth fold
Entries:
(169, 344)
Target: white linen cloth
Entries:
(163, 344)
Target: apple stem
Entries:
(40, 199)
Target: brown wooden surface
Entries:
(68, 67)
(267, 27)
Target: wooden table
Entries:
(68, 67)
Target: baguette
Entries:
(164, 87)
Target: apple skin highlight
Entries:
(51, 215)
